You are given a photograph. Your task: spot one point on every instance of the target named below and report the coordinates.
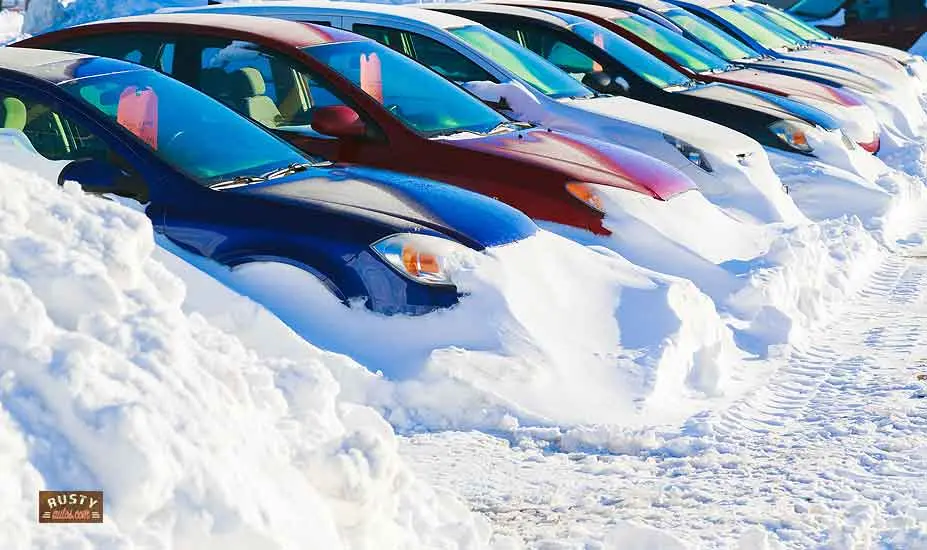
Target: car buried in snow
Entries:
(740, 21)
(519, 83)
(221, 187)
(855, 118)
(350, 99)
(587, 32)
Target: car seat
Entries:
(247, 89)
(14, 114)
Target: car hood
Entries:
(585, 159)
(900, 56)
(704, 134)
(789, 85)
(780, 107)
(474, 219)
(865, 64)
(809, 70)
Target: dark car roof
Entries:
(291, 33)
(57, 67)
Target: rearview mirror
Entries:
(604, 83)
(96, 176)
(338, 121)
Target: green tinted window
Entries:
(711, 37)
(685, 52)
(524, 63)
(791, 23)
(754, 29)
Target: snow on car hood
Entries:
(702, 133)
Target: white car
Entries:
(731, 169)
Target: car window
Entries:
(53, 135)
(440, 58)
(522, 62)
(418, 97)
(549, 45)
(757, 30)
(710, 36)
(264, 85)
(184, 128)
(790, 23)
(682, 50)
(151, 50)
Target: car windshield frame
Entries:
(790, 23)
(254, 151)
(757, 28)
(541, 74)
(447, 98)
(625, 51)
(687, 53)
(711, 37)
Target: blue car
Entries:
(220, 186)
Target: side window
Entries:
(549, 45)
(54, 136)
(263, 85)
(431, 53)
(153, 51)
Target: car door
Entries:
(276, 90)
(59, 133)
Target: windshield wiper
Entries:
(238, 181)
(293, 168)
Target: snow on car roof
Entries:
(30, 61)
(412, 12)
(605, 12)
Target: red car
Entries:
(699, 64)
(349, 99)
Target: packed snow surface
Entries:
(11, 24)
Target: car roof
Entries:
(519, 11)
(605, 12)
(270, 8)
(291, 33)
(57, 67)
(711, 3)
(658, 6)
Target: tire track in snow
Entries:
(830, 453)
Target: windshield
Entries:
(527, 65)
(760, 30)
(791, 23)
(711, 37)
(419, 97)
(185, 128)
(642, 63)
(681, 49)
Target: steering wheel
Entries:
(177, 135)
(394, 110)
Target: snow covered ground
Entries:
(11, 24)
(693, 382)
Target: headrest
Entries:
(246, 82)
(14, 114)
(214, 82)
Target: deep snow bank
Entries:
(551, 334)
(197, 440)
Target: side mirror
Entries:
(338, 121)
(96, 176)
(604, 83)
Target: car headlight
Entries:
(794, 134)
(695, 155)
(423, 258)
(587, 194)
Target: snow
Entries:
(109, 381)
(11, 23)
(730, 369)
